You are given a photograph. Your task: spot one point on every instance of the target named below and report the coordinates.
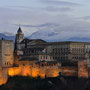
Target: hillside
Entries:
(58, 83)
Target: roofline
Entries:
(62, 42)
(69, 42)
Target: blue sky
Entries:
(68, 18)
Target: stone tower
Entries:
(19, 35)
(19, 38)
(6, 53)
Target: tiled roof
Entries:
(26, 40)
(28, 59)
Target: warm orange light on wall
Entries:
(33, 71)
(26, 71)
(11, 71)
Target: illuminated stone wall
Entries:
(3, 75)
(69, 71)
(83, 69)
(34, 71)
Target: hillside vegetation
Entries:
(58, 83)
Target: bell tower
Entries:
(19, 35)
(18, 39)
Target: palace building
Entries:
(36, 57)
(50, 51)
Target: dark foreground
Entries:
(59, 83)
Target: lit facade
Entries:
(36, 57)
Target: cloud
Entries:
(86, 17)
(78, 29)
(58, 2)
(41, 25)
(58, 9)
(69, 29)
(47, 8)
(19, 7)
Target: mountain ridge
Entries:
(12, 37)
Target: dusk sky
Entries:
(62, 18)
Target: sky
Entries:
(62, 18)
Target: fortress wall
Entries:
(69, 71)
(50, 71)
(3, 75)
(34, 71)
(83, 69)
(46, 71)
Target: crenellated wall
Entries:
(43, 71)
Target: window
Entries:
(53, 50)
(42, 65)
(53, 57)
(7, 54)
(46, 57)
(23, 64)
(41, 57)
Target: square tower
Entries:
(6, 53)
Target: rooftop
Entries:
(28, 59)
(19, 30)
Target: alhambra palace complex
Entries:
(36, 57)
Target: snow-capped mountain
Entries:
(52, 36)
(7, 36)
(47, 36)
(43, 35)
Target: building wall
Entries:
(60, 51)
(45, 57)
(0, 53)
(66, 51)
(26, 63)
(77, 51)
(87, 53)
